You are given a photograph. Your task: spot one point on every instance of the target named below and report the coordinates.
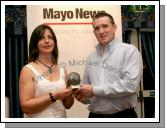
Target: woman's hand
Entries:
(61, 94)
(69, 100)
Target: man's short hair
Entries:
(103, 14)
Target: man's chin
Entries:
(104, 43)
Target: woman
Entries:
(42, 87)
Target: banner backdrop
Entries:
(74, 32)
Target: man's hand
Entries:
(86, 90)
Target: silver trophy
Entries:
(74, 80)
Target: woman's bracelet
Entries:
(52, 98)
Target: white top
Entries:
(115, 77)
(44, 86)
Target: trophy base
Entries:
(75, 87)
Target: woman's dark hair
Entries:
(33, 45)
(103, 14)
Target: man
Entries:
(112, 74)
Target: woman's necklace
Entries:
(49, 67)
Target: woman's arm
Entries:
(28, 102)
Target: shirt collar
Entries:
(109, 47)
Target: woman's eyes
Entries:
(48, 37)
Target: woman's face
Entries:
(46, 43)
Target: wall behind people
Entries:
(74, 32)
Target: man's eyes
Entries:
(103, 26)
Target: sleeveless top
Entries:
(42, 87)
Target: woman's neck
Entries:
(47, 59)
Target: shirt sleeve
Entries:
(130, 77)
(86, 81)
(86, 76)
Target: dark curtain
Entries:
(148, 42)
(148, 53)
(15, 55)
(126, 36)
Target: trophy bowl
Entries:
(74, 80)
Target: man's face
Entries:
(104, 30)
